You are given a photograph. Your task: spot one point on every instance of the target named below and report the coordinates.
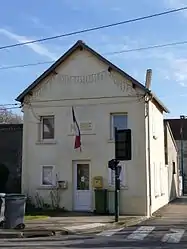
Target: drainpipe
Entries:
(148, 97)
(182, 117)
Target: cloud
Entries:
(171, 65)
(178, 70)
(177, 4)
(38, 49)
(37, 23)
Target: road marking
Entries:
(140, 233)
(86, 226)
(110, 232)
(174, 236)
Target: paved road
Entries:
(144, 236)
(167, 232)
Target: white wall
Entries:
(159, 176)
(93, 103)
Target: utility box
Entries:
(101, 201)
(98, 182)
(63, 184)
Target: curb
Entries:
(112, 225)
(135, 222)
(11, 234)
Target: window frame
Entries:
(112, 115)
(53, 176)
(42, 118)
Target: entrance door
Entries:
(82, 191)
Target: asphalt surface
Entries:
(168, 232)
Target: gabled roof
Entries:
(81, 45)
(167, 124)
(175, 125)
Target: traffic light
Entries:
(123, 145)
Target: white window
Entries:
(162, 183)
(47, 127)
(118, 121)
(123, 176)
(154, 123)
(48, 175)
(156, 179)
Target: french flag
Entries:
(77, 132)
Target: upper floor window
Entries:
(47, 126)
(119, 121)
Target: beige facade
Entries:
(100, 98)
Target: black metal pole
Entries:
(116, 184)
(116, 196)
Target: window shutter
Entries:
(162, 179)
(156, 180)
(111, 177)
(123, 175)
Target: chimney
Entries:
(148, 78)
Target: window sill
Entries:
(46, 187)
(83, 133)
(111, 140)
(46, 142)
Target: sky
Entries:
(22, 21)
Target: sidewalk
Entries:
(82, 224)
(175, 213)
(70, 225)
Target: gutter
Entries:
(147, 100)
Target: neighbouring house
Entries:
(103, 97)
(176, 125)
(11, 157)
(171, 162)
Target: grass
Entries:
(36, 217)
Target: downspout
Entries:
(182, 151)
(148, 97)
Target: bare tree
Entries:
(8, 117)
